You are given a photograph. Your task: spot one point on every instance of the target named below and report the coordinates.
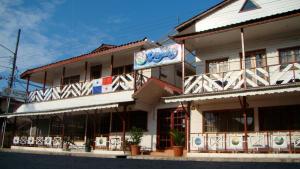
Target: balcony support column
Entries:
(124, 127)
(111, 64)
(182, 62)
(63, 76)
(62, 130)
(244, 105)
(27, 85)
(86, 126)
(85, 70)
(243, 57)
(45, 81)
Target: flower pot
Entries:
(135, 150)
(88, 149)
(178, 151)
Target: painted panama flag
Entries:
(102, 85)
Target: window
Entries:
(227, 121)
(133, 119)
(217, 66)
(279, 118)
(255, 59)
(122, 70)
(95, 72)
(289, 55)
(249, 5)
(71, 80)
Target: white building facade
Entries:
(242, 94)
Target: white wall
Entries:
(233, 50)
(231, 15)
(199, 108)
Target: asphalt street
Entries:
(10, 160)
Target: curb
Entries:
(144, 157)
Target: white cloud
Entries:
(36, 46)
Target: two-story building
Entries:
(242, 97)
(96, 97)
(245, 95)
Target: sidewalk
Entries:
(217, 157)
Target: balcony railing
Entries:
(119, 83)
(265, 141)
(243, 79)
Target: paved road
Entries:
(34, 161)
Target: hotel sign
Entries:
(158, 56)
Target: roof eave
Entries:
(27, 73)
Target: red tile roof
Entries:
(102, 50)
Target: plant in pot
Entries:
(88, 145)
(179, 140)
(67, 141)
(136, 135)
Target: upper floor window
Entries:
(217, 66)
(289, 55)
(95, 72)
(71, 79)
(255, 59)
(122, 70)
(249, 5)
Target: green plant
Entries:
(88, 145)
(178, 137)
(136, 135)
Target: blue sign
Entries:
(158, 56)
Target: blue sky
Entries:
(59, 29)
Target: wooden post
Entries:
(172, 126)
(50, 125)
(36, 126)
(245, 124)
(45, 81)
(243, 57)
(182, 62)
(85, 128)
(27, 85)
(111, 64)
(63, 131)
(63, 76)
(188, 130)
(85, 70)
(124, 127)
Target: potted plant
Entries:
(136, 135)
(68, 142)
(88, 145)
(179, 140)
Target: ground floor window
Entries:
(279, 118)
(227, 121)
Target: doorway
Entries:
(168, 120)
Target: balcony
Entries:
(123, 82)
(271, 75)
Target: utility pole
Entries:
(10, 85)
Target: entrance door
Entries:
(168, 120)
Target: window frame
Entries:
(249, 110)
(286, 49)
(207, 62)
